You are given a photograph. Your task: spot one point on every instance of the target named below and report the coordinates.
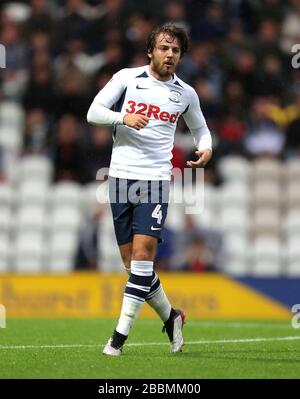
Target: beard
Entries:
(161, 69)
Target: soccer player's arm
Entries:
(99, 112)
(197, 125)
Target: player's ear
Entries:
(149, 54)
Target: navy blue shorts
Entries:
(138, 207)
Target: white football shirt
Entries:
(146, 154)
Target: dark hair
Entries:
(171, 30)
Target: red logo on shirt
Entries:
(151, 110)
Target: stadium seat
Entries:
(65, 218)
(293, 269)
(9, 169)
(11, 114)
(29, 253)
(236, 243)
(268, 169)
(236, 267)
(35, 167)
(266, 221)
(292, 170)
(211, 197)
(4, 253)
(235, 254)
(267, 194)
(5, 219)
(235, 194)
(67, 193)
(11, 139)
(6, 195)
(293, 256)
(205, 218)
(193, 198)
(89, 195)
(109, 255)
(234, 168)
(33, 192)
(292, 196)
(175, 217)
(31, 218)
(234, 220)
(291, 223)
(265, 257)
(205, 215)
(62, 252)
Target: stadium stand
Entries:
(49, 154)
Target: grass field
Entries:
(214, 349)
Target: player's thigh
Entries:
(122, 211)
(149, 216)
(149, 219)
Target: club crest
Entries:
(174, 96)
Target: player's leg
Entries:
(139, 282)
(139, 256)
(122, 218)
(148, 219)
(136, 290)
(158, 301)
(142, 279)
(156, 298)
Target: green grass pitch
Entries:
(213, 349)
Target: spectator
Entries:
(263, 136)
(87, 255)
(71, 96)
(36, 133)
(293, 133)
(165, 250)
(196, 248)
(40, 92)
(40, 19)
(68, 154)
(99, 150)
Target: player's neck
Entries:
(157, 76)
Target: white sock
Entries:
(136, 291)
(129, 311)
(157, 299)
(160, 303)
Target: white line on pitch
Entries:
(237, 324)
(225, 341)
(229, 324)
(206, 342)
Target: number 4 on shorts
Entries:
(157, 214)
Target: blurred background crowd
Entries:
(59, 54)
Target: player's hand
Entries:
(136, 121)
(203, 157)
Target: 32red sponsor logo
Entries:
(150, 110)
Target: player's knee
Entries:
(142, 254)
(144, 250)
